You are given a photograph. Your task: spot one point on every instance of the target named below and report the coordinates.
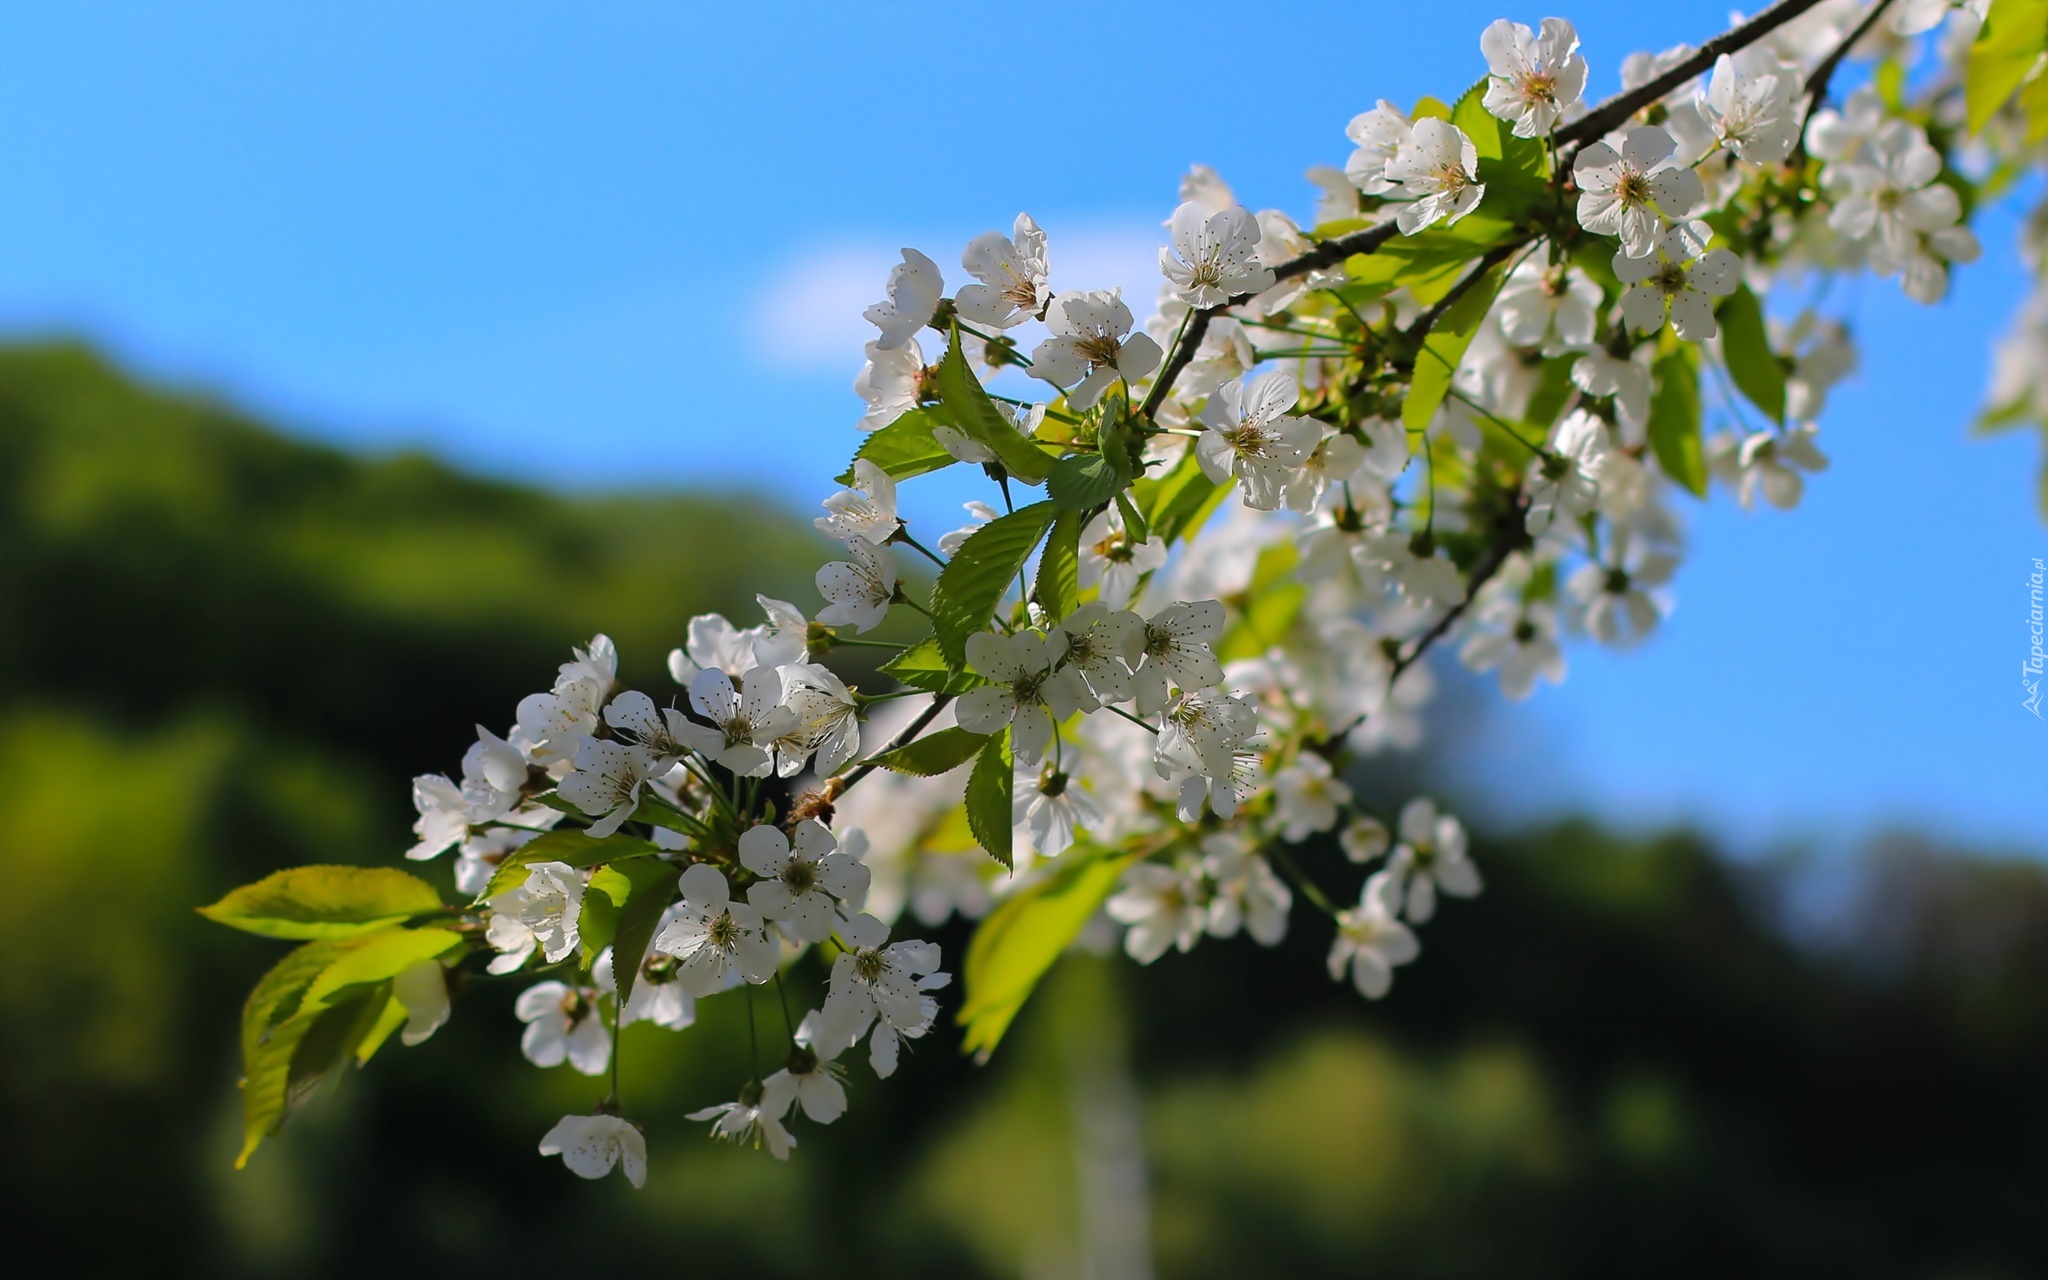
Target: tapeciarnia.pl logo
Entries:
(2030, 670)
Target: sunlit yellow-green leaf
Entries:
(325, 902)
(1018, 941)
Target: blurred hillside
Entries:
(222, 651)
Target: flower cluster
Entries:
(1461, 403)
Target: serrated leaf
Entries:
(1016, 943)
(1058, 587)
(377, 958)
(988, 798)
(1675, 419)
(1746, 346)
(325, 902)
(935, 753)
(278, 993)
(923, 666)
(904, 448)
(969, 408)
(1083, 481)
(1445, 347)
(598, 917)
(2011, 41)
(573, 847)
(974, 580)
(654, 886)
(290, 1038)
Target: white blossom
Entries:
(1011, 272)
(1379, 135)
(1024, 692)
(891, 383)
(1519, 640)
(1556, 308)
(755, 1119)
(1628, 193)
(1214, 256)
(1533, 81)
(868, 510)
(1307, 796)
(1175, 653)
(858, 590)
(1683, 275)
(591, 1145)
(1112, 561)
(1244, 892)
(804, 881)
(1251, 438)
(719, 941)
(540, 913)
(1092, 346)
(914, 288)
(1436, 168)
(1369, 943)
(421, 989)
(1162, 906)
(563, 1025)
(883, 987)
(1431, 858)
(1567, 483)
(1756, 116)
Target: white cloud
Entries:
(808, 318)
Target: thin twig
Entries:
(837, 787)
(1603, 118)
(1817, 83)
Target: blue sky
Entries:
(612, 244)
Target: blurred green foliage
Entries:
(223, 652)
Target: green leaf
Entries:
(279, 992)
(1445, 347)
(2014, 35)
(1746, 345)
(904, 448)
(389, 1019)
(377, 958)
(1018, 941)
(654, 886)
(1515, 170)
(325, 902)
(1553, 389)
(1176, 500)
(969, 407)
(1134, 520)
(923, 666)
(1431, 261)
(1058, 588)
(2033, 102)
(1430, 108)
(974, 580)
(277, 1020)
(988, 798)
(1083, 481)
(1276, 597)
(570, 846)
(935, 753)
(598, 917)
(1675, 419)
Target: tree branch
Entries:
(1603, 118)
(1591, 125)
(837, 787)
(1817, 83)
